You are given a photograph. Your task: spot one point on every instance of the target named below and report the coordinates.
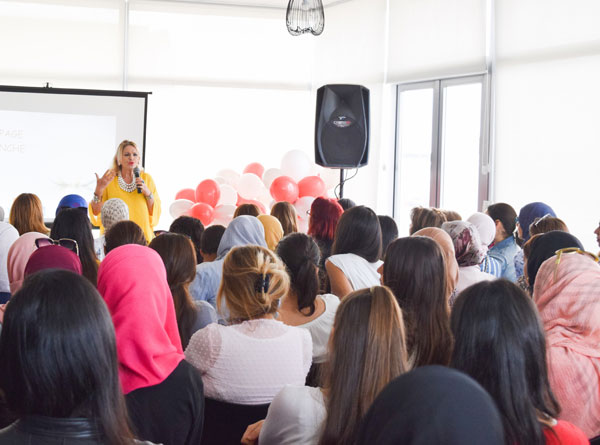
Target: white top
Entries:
(250, 362)
(320, 328)
(99, 247)
(359, 271)
(295, 417)
(469, 275)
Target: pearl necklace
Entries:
(124, 186)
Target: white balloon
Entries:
(302, 206)
(179, 207)
(228, 195)
(331, 177)
(220, 180)
(266, 199)
(303, 225)
(270, 176)
(296, 164)
(250, 186)
(231, 177)
(224, 214)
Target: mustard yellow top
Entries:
(138, 210)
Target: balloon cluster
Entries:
(299, 181)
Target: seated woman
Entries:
(113, 211)
(8, 235)
(178, 254)
(246, 209)
(355, 252)
(487, 232)
(18, 255)
(122, 233)
(251, 360)
(273, 230)
(26, 214)
(302, 306)
(505, 246)
(367, 352)
(499, 341)
(209, 244)
(192, 228)
(74, 224)
(566, 292)
(53, 257)
(469, 252)
(287, 216)
(415, 272)
(58, 365)
(163, 392)
(527, 215)
(422, 217)
(389, 232)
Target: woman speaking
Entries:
(120, 182)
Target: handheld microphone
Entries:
(136, 173)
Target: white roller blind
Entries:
(435, 38)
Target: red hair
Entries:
(324, 216)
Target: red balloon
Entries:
(208, 192)
(255, 168)
(312, 186)
(260, 205)
(284, 188)
(189, 194)
(203, 212)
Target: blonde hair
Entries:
(254, 279)
(115, 165)
(26, 214)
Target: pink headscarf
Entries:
(445, 242)
(133, 282)
(53, 257)
(568, 300)
(18, 255)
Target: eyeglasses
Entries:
(560, 252)
(68, 243)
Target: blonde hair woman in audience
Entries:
(286, 214)
(251, 360)
(421, 217)
(26, 214)
(367, 351)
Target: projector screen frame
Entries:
(86, 92)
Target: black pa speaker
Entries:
(342, 126)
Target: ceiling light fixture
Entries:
(305, 16)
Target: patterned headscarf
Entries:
(468, 248)
(113, 211)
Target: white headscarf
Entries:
(485, 226)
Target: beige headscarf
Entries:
(273, 230)
(445, 242)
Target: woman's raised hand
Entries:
(102, 182)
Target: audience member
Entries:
(346, 203)
(122, 233)
(58, 365)
(451, 215)
(243, 230)
(26, 214)
(193, 229)
(246, 209)
(1, 214)
(505, 247)
(469, 252)
(74, 224)
(53, 257)
(547, 224)
(179, 257)
(302, 305)
(324, 216)
(499, 341)
(367, 352)
(286, 214)
(566, 292)
(273, 230)
(414, 270)
(164, 393)
(422, 217)
(72, 202)
(251, 360)
(432, 405)
(389, 232)
(597, 233)
(487, 232)
(17, 258)
(444, 241)
(211, 237)
(8, 235)
(113, 211)
(355, 252)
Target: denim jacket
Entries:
(505, 252)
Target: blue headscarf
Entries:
(71, 202)
(530, 212)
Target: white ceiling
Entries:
(277, 4)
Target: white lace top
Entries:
(249, 363)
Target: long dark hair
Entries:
(367, 351)
(191, 227)
(75, 224)
(414, 270)
(177, 252)
(358, 232)
(499, 341)
(389, 232)
(58, 355)
(123, 232)
(301, 255)
(505, 214)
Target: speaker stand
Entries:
(341, 183)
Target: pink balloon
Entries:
(255, 168)
(284, 188)
(203, 212)
(312, 186)
(260, 205)
(208, 192)
(188, 194)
